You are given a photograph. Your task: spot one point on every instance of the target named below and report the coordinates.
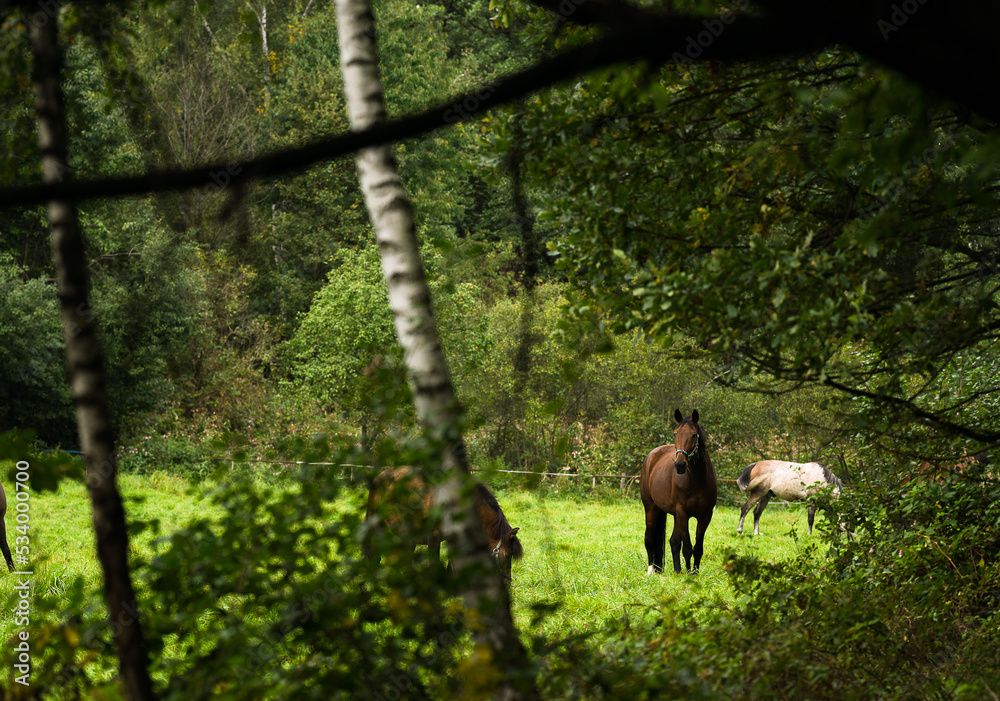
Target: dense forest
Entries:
(261, 313)
(802, 244)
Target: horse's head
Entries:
(506, 550)
(686, 440)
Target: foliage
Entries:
(904, 609)
(175, 454)
(32, 376)
(306, 219)
(302, 617)
(824, 222)
(345, 353)
(805, 250)
(597, 403)
(897, 612)
(147, 304)
(46, 467)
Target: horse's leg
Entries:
(680, 537)
(761, 505)
(656, 533)
(3, 545)
(688, 548)
(746, 509)
(368, 544)
(812, 515)
(371, 520)
(699, 539)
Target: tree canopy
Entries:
(786, 215)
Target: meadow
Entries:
(589, 556)
(583, 553)
(62, 535)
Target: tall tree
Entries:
(434, 395)
(85, 360)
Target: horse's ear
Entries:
(678, 416)
(694, 416)
(513, 532)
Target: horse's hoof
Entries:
(650, 570)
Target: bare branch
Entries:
(936, 420)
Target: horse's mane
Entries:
(831, 478)
(501, 527)
(702, 436)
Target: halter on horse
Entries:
(682, 486)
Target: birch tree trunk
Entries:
(265, 49)
(85, 361)
(486, 599)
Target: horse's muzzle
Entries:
(681, 467)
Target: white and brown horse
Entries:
(790, 481)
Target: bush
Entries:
(176, 454)
(273, 601)
(33, 382)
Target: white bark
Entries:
(409, 298)
(265, 49)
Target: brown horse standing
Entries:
(410, 513)
(678, 479)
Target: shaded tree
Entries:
(85, 360)
(433, 394)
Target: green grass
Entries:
(586, 555)
(589, 555)
(62, 534)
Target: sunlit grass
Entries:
(61, 531)
(590, 558)
(586, 555)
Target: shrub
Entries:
(272, 601)
(175, 454)
(906, 608)
(33, 381)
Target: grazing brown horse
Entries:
(410, 513)
(678, 479)
(3, 530)
(791, 481)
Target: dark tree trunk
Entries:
(85, 360)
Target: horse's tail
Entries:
(743, 481)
